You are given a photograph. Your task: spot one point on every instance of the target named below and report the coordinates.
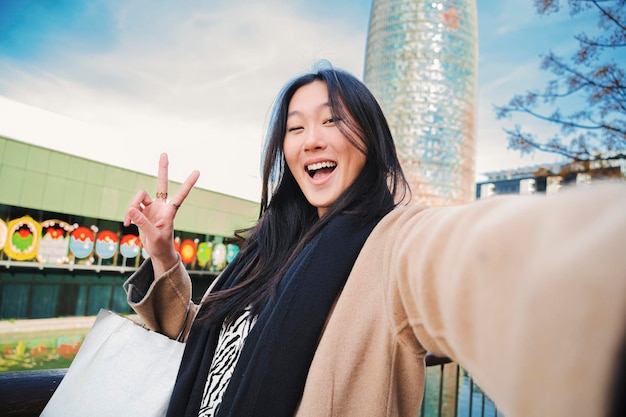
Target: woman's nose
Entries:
(314, 139)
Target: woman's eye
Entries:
(330, 121)
(293, 129)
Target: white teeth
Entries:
(320, 165)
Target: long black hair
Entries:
(287, 221)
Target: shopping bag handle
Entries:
(179, 338)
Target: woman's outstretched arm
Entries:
(527, 293)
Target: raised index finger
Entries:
(162, 180)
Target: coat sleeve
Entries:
(526, 293)
(164, 304)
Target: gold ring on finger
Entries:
(161, 195)
(176, 206)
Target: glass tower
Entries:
(421, 64)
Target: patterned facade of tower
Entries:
(421, 64)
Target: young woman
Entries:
(337, 294)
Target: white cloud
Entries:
(195, 81)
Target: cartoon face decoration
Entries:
(205, 250)
(231, 251)
(106, 244)
(81, 241)
(23, 237)
(130, 246)
(53, 247)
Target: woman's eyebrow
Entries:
(295, 112)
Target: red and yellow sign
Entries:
(188, 251)
(23, 237)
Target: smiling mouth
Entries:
(325, 167)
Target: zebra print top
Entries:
(229, 345)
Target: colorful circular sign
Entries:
(187, 251)
(23, 237)
(130, 246)
(219, 256)
(203, 256)
(106, 244)
(81, 242)
(54, 244)
(231, 252)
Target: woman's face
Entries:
(322, 160)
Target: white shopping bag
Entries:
(121, 369)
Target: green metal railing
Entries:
(451, 392)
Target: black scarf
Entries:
(270, 374)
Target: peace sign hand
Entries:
(155, 218)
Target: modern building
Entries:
(548, 179)
(63, 248)
(421, 64)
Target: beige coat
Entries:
(526, 293)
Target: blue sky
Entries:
(122, 81)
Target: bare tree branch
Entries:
(597, 129)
